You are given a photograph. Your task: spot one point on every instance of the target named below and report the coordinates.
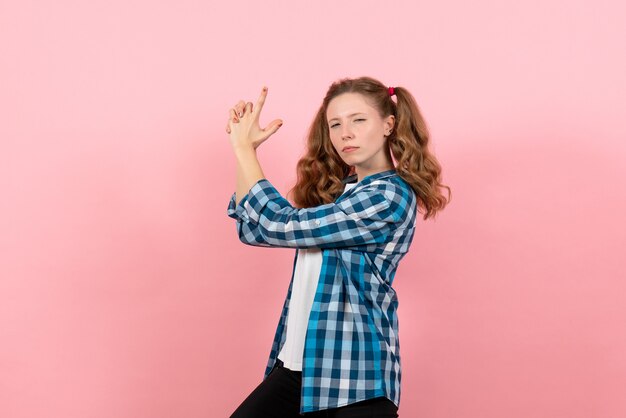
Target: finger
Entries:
(228, 125)
(249, 107)
(239, 107)
(261, 101)
(233, 116)
(273, 126)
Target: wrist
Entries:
(245, 155)
(243, 148)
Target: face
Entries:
(358, 134)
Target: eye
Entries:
(356, 120)
(332, 126)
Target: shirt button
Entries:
(317, 222)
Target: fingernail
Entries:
(264, 88)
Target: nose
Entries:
(346, 133)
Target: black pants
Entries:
(278, 396)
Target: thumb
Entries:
(273, 126)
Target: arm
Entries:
(365, 217)
(245, 136)
(248, 170)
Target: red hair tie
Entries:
(392, 91)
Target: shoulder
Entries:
(395, 188)
(394, 192)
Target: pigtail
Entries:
(409, 144)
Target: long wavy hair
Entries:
(320, 170)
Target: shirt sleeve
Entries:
(265, 218)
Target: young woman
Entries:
(336, 351)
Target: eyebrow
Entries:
(353, 114)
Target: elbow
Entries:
(248, 236)
(252, 242)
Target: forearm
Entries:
(248, 170)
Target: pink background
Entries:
(124, 291)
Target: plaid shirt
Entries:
(351, 349)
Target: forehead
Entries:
(346, 104)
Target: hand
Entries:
(243, 124)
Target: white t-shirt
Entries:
(306, 277)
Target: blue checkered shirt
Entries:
(351, 348)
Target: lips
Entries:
(348, 149)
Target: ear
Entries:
(390, 122)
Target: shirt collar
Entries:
(371, 177)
